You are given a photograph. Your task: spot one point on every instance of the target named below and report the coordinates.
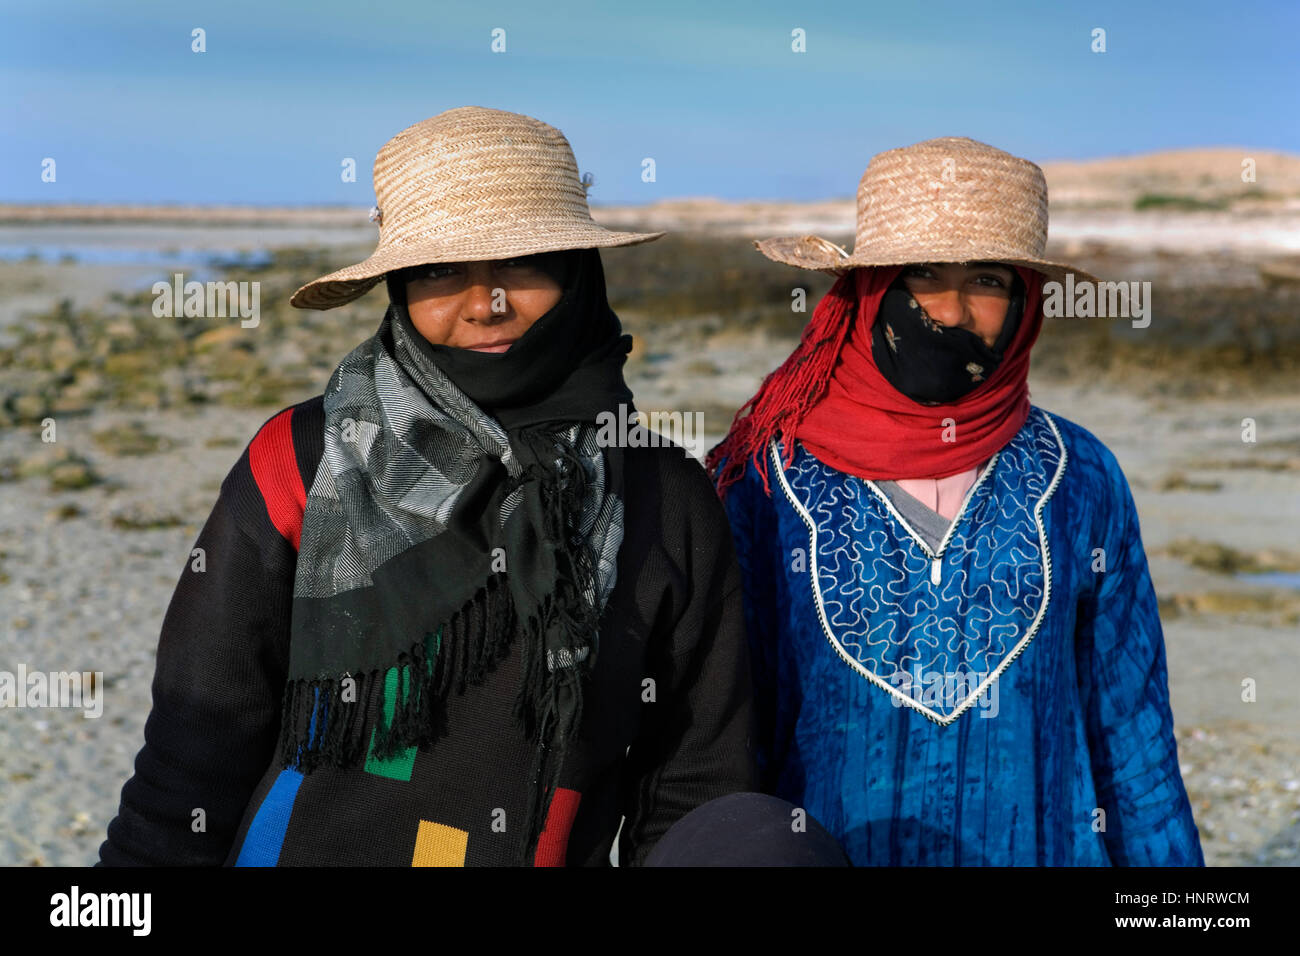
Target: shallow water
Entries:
(1275, 579)
(164, 245)
(115, 256)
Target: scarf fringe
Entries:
(320, 728)
(787, 394)
(563, 628)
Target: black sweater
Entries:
(666, 723)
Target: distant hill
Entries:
(1208, 176)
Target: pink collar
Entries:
(943, 495)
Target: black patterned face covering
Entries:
(929, 362)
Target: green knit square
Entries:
(400, 766)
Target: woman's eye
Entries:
(438, 272)
(919, 272)
(996, 282)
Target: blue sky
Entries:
(712, 92)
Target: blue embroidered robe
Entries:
(1001, 700)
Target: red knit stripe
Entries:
(553, 844)
(275, 469)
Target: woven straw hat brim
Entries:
(468, 185)
(821, 255)
(345, 285)
(950, 199)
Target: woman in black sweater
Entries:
(438, 619)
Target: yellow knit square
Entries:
(439, 845)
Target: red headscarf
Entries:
(829, 395)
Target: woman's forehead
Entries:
(980, 264)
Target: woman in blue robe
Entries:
(957, 654)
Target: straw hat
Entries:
(466, 185)
(951, 199)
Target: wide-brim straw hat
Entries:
(950, 199)
(467, 185)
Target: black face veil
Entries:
(931, 363)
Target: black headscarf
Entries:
(569, 363)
